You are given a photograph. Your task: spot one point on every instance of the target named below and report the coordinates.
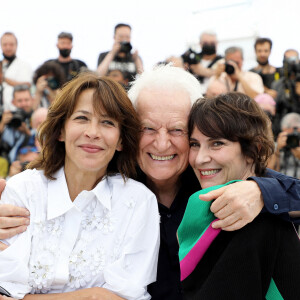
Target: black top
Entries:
(168, 284)
(267, 78)
(71, 68)
(274, 189)
(240, 264)
(124, 64)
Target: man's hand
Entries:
(281, 140)
(13, 219)
(296, 152)
(235, 205)
(41, 84)
(115, 48)
(135, 55)
(24, 128)
(220, 68)
(237, 72)
(6, 118)
(201, 70)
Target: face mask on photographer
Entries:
(65, 52)
(9, 58)
(209, 48)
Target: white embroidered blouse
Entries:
(107, 237)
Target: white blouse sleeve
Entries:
(129, 276)
(14, 271)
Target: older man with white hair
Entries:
(163, 98)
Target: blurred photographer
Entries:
(120, 56)
(121, 77)
(287, 153)
(233, 78)
(70, 66)
(15, 126)
(48, 79)
(288, 88)
(25, 155)
(203, 64)
(267, 72)
(14, 70)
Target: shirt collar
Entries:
(103, 192)
(59, 201)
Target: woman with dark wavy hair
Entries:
(230, 139)
(93, 233)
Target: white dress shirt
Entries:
(18, 70)
(107, 237)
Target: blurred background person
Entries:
(48, 78)
(267, 72)
(14, 70)
(70, 66)
(286, 158)
(287, 88)
(122, 77)
(215, 88)
(203, 64)
(25, 155)
(120, 56)
(15, 126)
(176, 61)
(267, 103)
(233, 78)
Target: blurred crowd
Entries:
(25, 95)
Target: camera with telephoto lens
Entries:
(52, 83)
(291, 66)
(229, 69)
(125, 47)
(19, 116)
(293, 139)
(191, 57)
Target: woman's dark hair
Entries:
(238, 118)
(50, 67)
(108, 96)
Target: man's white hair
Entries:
(165, 77)
(290, 120)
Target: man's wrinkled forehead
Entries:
(147, 94)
